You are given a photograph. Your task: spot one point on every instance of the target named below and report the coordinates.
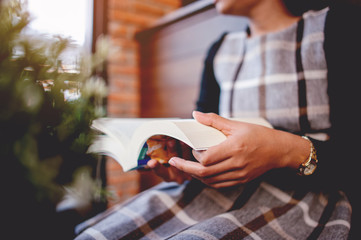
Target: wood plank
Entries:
(172, 55)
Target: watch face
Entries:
(309, 169)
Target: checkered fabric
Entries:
(280, 76)
(194, 211)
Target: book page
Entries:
(106, 145)
(117, 141)
(118, 127)
(200, 136)
(126, 138)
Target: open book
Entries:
(124, 139)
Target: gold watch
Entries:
(309, 166)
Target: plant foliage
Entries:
(46, 109)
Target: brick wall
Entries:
(125, 18)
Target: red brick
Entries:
(126, 101)
(123, 178)
(124, 43)
(125, 17)
(118, 69)
(148, 9)
(131, 185)
(124, 87)
(112, 165)
(123, 107)
(120, 97)
(123, 111)
(167, 4)
(115, 178)
(117, 79)
(119, 30)
(131, 17)
(120, 4)
(124, 58)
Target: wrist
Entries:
(297, 150)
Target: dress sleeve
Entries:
(208, 100)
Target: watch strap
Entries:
(309, 166)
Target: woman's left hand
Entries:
(161, 149)
(249, 151)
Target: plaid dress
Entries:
(282, 77)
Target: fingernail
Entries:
(171, 161)
(151, 163)
(195, 113)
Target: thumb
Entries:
(214, 120)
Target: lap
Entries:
(195, 211)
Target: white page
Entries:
(133, 133)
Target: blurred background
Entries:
(155, 68)
(148, 53)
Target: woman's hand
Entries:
(161, 149)
(249, 151)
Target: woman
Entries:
(289, 69)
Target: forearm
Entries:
(295, 150)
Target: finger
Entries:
(215, 154)
(221, 184)
(231, 176)
(178, 176)
(190, 167)
(225, 184)
(152, 163)
(223, 170)
(214, 120)
(198, 155)
(196, 169)
(159, 169)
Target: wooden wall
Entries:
(172, 54)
